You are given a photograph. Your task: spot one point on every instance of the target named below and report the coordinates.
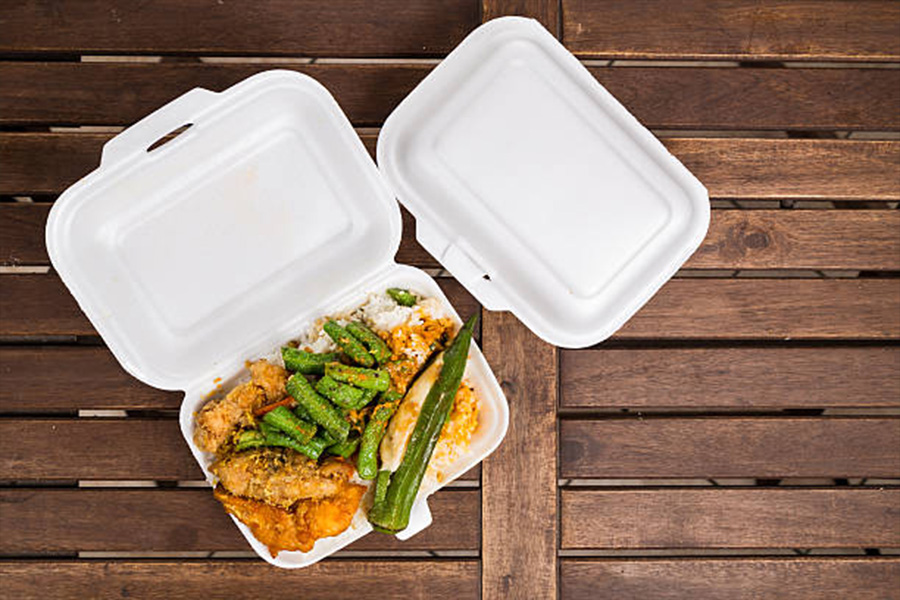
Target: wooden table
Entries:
(739, 437)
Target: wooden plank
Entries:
(661, 97)
(519, 517)
(763, 309)
(241, 579)
(800, 578)
(82, 378)
(772, 377)
(730, 447)
(732, 168)
(731, 518)
(36, 521)
(737, 239)
(545, 11)
(268, 27)
(100, 449)
(41, 305)
(864, 30)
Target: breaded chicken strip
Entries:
(280, 476)
(271, 378)
(218, 418)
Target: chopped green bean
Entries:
(342, 394)
(345, 448)
(370, 379)
(320, 409)
(308, 363)
(377, 346)
(282, 418)
(367, 461)
(249, 439)
(349, 344)
(275, 437)
(402, 297)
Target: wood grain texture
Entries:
(864, 30)
(264, 27)
(773, 377)
(806, 578)
(41, 305)
(737, 239)
(36, 521)
(731, 168)
(726, 447)
(519, 518)
(68, 378)
(731, 518)
(661, 97)
(100, 449)
(242, 579)
(545, 11)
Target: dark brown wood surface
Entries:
(243, 579)
(113, 93)
(724, 447)
(545, 11)
(730, 518)
(519, 480)
(749, 378)
(808, 578)
(731, 168)
(46, 520)
(863, 30)
(270, 27)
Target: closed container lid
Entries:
(537, 189)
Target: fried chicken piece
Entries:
(271, 378)
(280, 476)
(298, 529)
(220, 417)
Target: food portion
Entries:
(376, 394)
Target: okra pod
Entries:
(392, 515)
(370, 379)
(320, 409)
(377, 346)
(282, 418)
(381, 485)
(345, 448)
(402, 297)
(342, 394)
(367, 461)
(349, 344)
(308, 363)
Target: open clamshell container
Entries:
(529, 182)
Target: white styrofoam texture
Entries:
(519, 166)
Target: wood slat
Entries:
(772, 377)
(266, 27)
(731, 168)
(100, 449)
(730, 447)
(806, 578)
(82, 378)
(665, 98)
(737, 239)
(36, 521)
(41, 305)
(864, 30)
(519, 517)
(545, 11)
(241, 579)
(731, 518)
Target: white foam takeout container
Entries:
(529, 183)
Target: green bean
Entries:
(381, 485)
(249, 439)
(349, 344)
(345, 448)
(320, 409)
(367, 397)
(377, 347)
(274, 437)
(283, 419)
(308, 363)
(370, 379)
(402, 297)
(392, 515)
(367, 461)
(342, 394)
